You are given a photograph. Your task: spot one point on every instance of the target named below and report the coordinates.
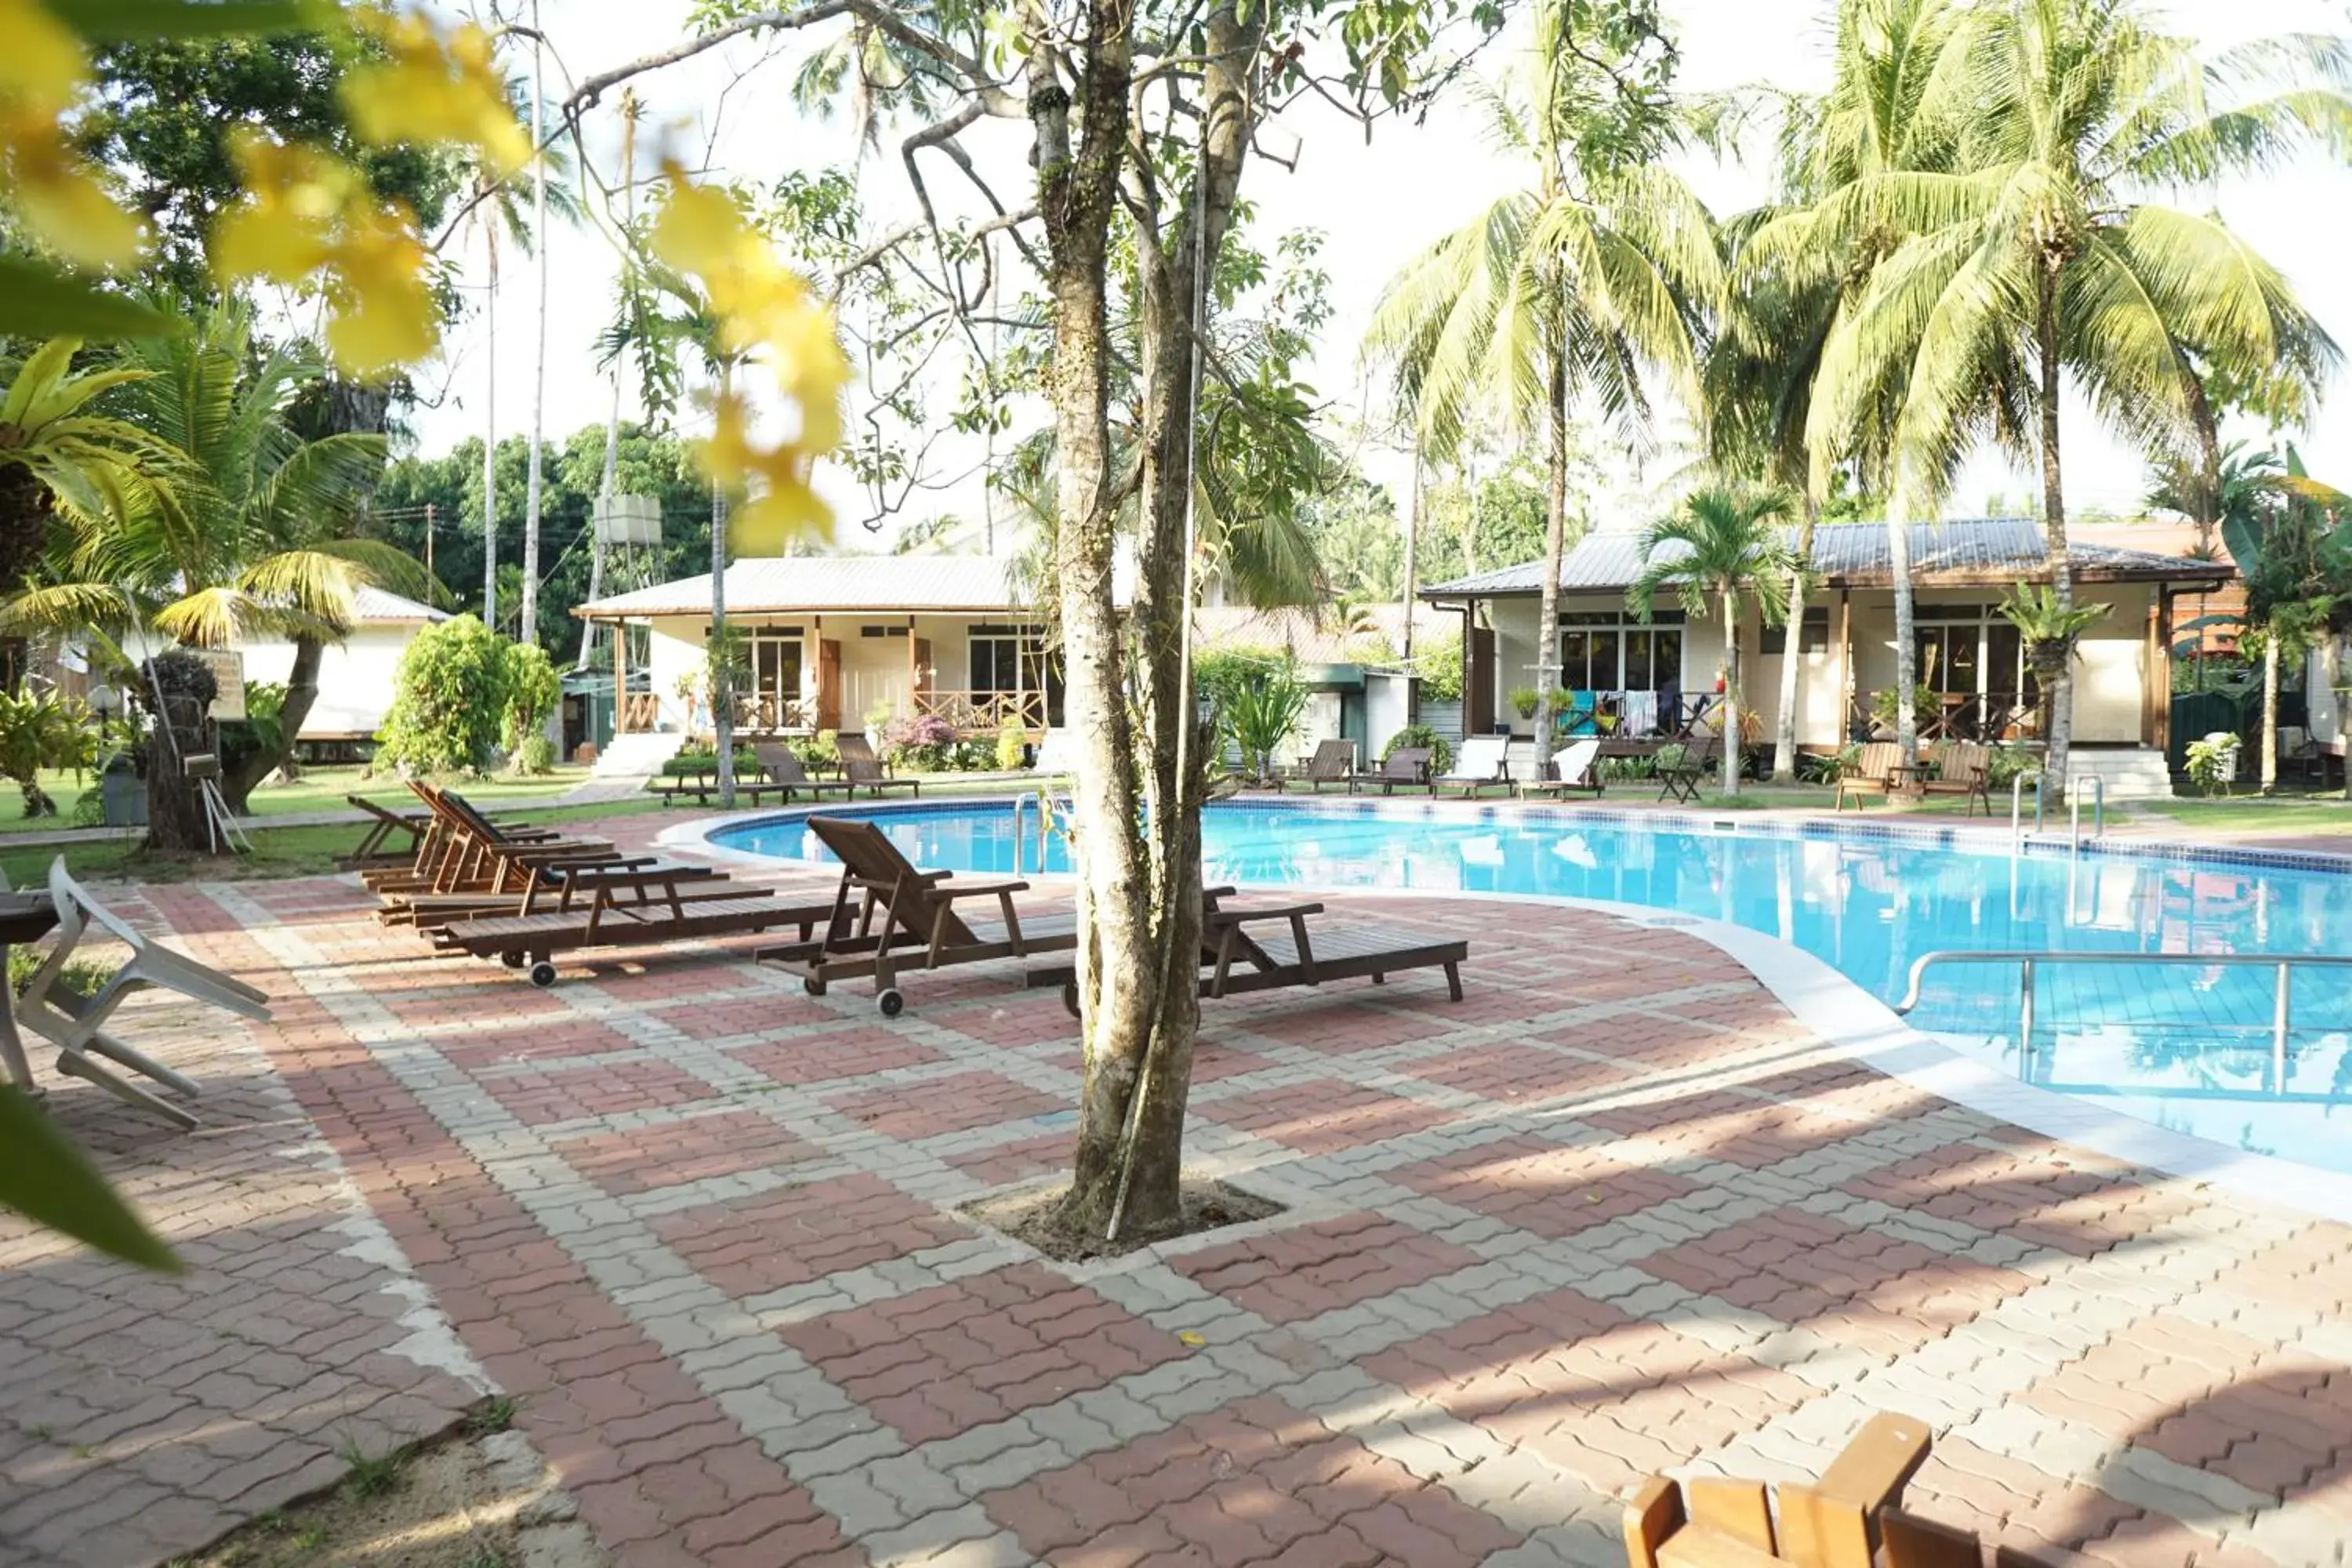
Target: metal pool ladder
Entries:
(2099, 785)
(2030, 959)
(1045, 806)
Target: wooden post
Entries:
(620, 678)
(1846, 665)
(914, 677)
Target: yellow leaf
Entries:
(44, 65)
(1186, 1336)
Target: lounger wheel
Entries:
(542, 973)
(1070, 999)
(813, 984)
(891, 1002)
(514, 960)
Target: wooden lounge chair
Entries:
(443, 848)
(1701, 758)
(853, 748)
(628, 906)
(375, 849)
(874, 778)
(1235, 957)
(1960, 769)
(1834, 1523)
(1407, 767)
(1334, 762)
(702, 783)
(1575, 767)
(464, 852)
(915, 908)
(1484, 762)
(1870, 774)
(783, 768)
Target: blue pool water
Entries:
(2184, 1046)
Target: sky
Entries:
(1377, 203)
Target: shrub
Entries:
(2003, 764)
(1827, 768)
(535, 756)
(817, 751)
(1257, 716)
(449, 700)
(1438, 664)
(36, 732)
(702, 759)
(924, 745)
(1667, 758)
(1613, 769)
(2213, 762)
(1441, 750)
(1012, 747)
(1924, 701)
(532, 690)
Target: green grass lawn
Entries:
(2329, 813)
(319, 789)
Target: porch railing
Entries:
(977, 713)
(766, 711)
(639, 713)
(1985, 719)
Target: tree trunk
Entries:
(723, 684)
(1555, 545)
(528, 631)
(301, 693)
(490, 430)
(2059, 743)
(1732, 734)
(1906, 642)
(1784, 751)
(2270, 711)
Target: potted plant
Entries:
(2049, 630)
(1524, 701)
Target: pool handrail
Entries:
(2029, 958)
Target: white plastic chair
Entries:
(75, 1021)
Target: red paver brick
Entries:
(1542, 1187)
(1289, 1275)
(692, 1148)
(1325, 1117)
(955, 1103)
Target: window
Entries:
(1813, 638)
(776, 667)
(1613, 650)
(882, 631)
(1007, 659)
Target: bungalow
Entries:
(832, 638)
(1656, 676)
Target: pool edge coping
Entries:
(1836, 1011)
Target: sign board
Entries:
(227, 666)
(629, 521)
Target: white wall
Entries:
(1387, 702)
(676, 650)
(356, 676)
(2328, 665)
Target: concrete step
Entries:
(636, 756)
(2128, 772)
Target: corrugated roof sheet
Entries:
(778, 585)
(1854, 555)
(376, 605)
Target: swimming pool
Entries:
(2187, 1047)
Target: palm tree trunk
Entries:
(301, 695)
(1731, 706)
(2270, 711)
(490, 436)
(2061, 739)
(1907, 641)
(1555, 545)
(1784, 751)
(530, 628)
(722, 686)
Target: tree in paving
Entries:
(1141, 124)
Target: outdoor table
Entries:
(24, 917)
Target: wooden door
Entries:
(1478, 681)
(828, 685)
(922, 668)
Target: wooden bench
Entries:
(1834, 1523)
(703, 782)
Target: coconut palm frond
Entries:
(69, 607)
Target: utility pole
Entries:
(1411, 539)
(428, 541)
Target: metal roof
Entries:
(791, 585)
(376, 605)
(1988, 551)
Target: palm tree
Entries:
(58, 454)
(252, 536)
(1561, 291)
(1796, 277)
(2036, 253)
(1722, 543)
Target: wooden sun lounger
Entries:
(531, 937)
(1334, 762)
(464, 851)
(375, 849)
(1406, 767)
(1238, 959)
(917, 909)
(703, 782)
(783, 768)
(1484, 763)
(1574, 767)
(1835, 1523)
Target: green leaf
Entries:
(134, 21)
(36, 301)
(45, 1178)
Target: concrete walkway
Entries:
(1614, 1212)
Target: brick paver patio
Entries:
(1614, 1212)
